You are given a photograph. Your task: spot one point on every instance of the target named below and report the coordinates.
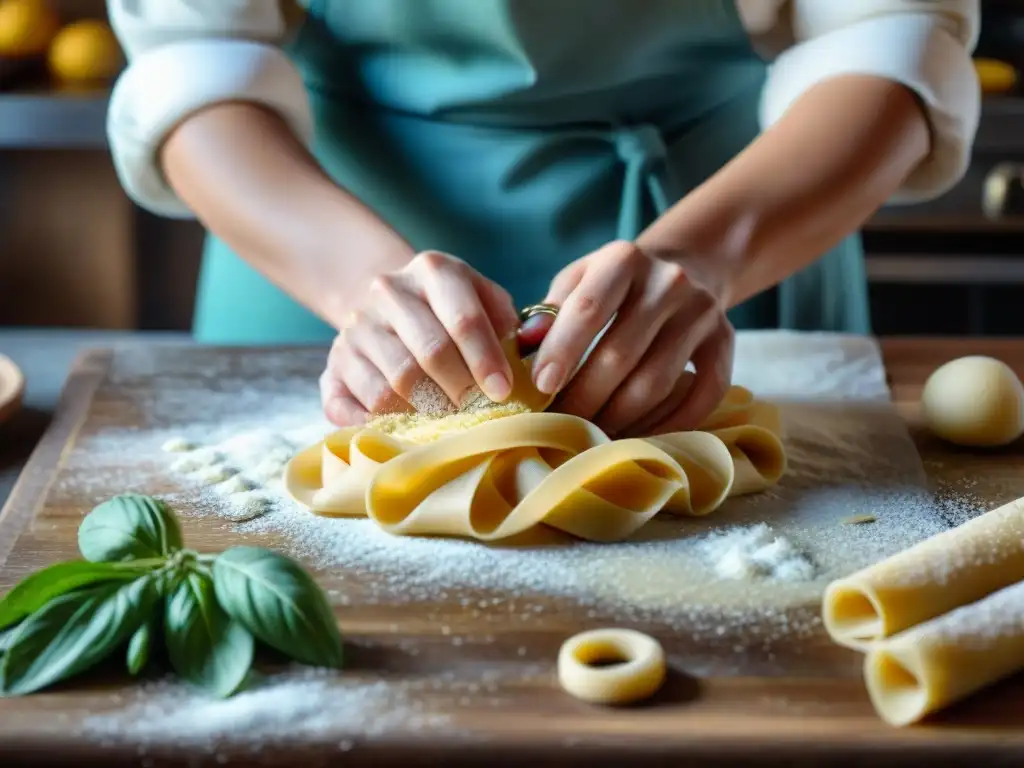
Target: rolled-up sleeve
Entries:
(183, 56)
(925, 45)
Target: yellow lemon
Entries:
(85, 51)
(26, 27)
(995, 76)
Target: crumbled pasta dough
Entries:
(420, 428)
(237, 484)
(246, 506)
(197, 460)
(215, 474)
(179, 445)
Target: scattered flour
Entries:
(309, 706)
(306, 704)
(677, 577)
(848, 454)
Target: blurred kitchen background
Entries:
(74, 252)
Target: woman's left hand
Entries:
(635, 380)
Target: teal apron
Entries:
(520, 135)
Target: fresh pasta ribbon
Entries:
(504, 477)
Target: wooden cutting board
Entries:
(796, 700)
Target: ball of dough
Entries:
(974, 401)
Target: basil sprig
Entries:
(137, 582)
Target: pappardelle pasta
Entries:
(499, 478)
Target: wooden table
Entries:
(814, 713)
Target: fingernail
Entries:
(497, 387)
(548, 378)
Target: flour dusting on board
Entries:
(306, 705)
(303, 705)
(849, 455)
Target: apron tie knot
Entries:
(643, 151)
(641, 145)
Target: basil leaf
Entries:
(138, 648)
(205, 646)
(6, 636)
(73, 632)
(129, 527)
(281, 604)
(35, 591)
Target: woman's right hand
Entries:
(436, 318)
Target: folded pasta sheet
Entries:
(943, 660)
(487, 478)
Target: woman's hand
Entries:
(436, 318)
(635, 380)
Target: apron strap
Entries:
(643, 151)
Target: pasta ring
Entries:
(637, 670)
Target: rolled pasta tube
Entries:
(937, 663)
(944, 572)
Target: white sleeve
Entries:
(185, 55)
(925, 45)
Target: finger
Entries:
(339, 406)
(382, 347)
(621, 349)
(645, 426)
(422, 334)
(454, 300)
(565, 282)
(585, 313)
(368, 385)
(497, 303)
(713, 361)
(656, 377)
(533, 332)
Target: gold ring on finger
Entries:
(537, 309)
